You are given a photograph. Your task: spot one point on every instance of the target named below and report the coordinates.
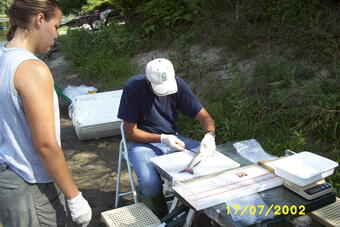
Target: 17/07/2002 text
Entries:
(261, 209)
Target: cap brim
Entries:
(168, 88)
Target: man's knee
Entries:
(150, 189)
(149, 182)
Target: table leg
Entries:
(190, 218)
(173, 204)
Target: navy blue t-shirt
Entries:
(152, 113)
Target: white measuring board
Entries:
(209, 191)
(173, 163)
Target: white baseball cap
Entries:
(161, 75)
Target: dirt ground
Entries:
(93, 163)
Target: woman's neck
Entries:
(22, 39)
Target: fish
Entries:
(194, 162)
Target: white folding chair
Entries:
(123, 153)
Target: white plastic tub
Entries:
(304, 168)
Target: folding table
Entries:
(278, 196)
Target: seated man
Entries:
(148, 108)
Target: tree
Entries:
(69, 7)
(4, 4)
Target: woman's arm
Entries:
(34, 83)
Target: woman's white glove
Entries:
(81, 212)
(208, 145)
(172, 142)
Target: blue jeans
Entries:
(149, 181)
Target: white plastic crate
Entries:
(328, 215)
(135, 215)
(95, 115)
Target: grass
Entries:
(62, 29)
(104, 56)
(290, 100)
(282, 104)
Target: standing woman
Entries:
(32, 163)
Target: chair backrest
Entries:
(123, 154)
(123, 144)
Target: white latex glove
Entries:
(172, 142)
(81, 212)
(208, 145)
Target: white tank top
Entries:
(16, 145)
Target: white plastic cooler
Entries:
(95, 115)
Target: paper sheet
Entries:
(173, 163)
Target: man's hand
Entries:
(208, 145)
(81, 212)
(172, 142)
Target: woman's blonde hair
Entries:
(21, 12)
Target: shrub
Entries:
(104, 55)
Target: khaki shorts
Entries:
(29, 205)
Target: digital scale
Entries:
(310, 184)
(311, 191)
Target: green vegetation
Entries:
(4, 4)
(71, 7)
(96, 4)
(83, 7)
(104, 55)
(159, 15)
(289, 99)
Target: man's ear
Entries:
(40, 18)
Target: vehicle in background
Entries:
(96, 20)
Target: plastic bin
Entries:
(95, 115)
(304, 168)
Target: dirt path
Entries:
(93, 163)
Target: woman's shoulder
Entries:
(33, 78)
(17, 56)
(34, 67)
(33, 71)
